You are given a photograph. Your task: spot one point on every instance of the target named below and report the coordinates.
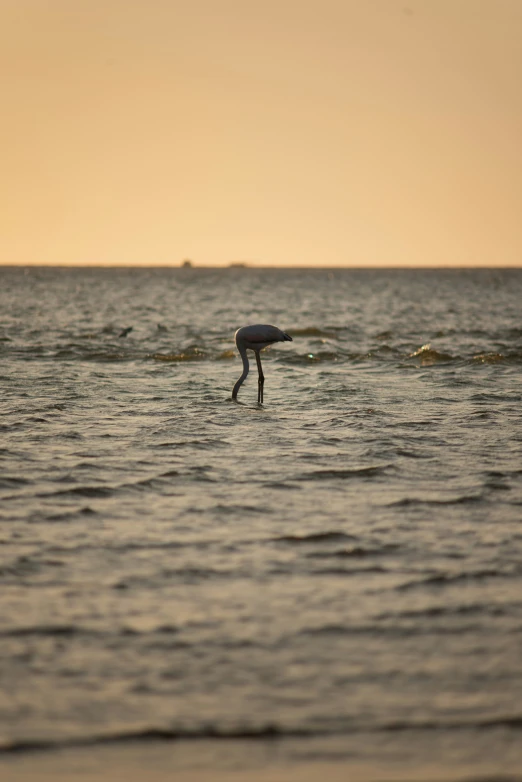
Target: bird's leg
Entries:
(260, 381)
(244, 358)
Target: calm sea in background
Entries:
(336, 574)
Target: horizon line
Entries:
(240, 266)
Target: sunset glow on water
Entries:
(338, 568)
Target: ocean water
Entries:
(338, 571)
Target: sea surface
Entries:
(335, 574)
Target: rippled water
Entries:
(342, 564)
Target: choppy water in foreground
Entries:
(343, 564)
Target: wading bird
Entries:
(256, 338)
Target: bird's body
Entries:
(256, 338)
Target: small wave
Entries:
(356, 472)
(472, 609)
(338, 571)
(191, 354)
(314, 537)
(412, 501)
(445, 579)
(191, 574)
(95, 355)
(47, 631)
(262, 732)
(12, 427)
(79, 631)
(504, 473)
(81, 491)
(146, 484)
(313, 358)
(285, 486)
(340, 630)
(508, 357)
(502, 721)
(203, 443)
(26, 566)
(161, 630)
(357, 552)
(426, 356)
(408, 454)
(391, 630)
(384, 352)
(132, 546)
(41, 517)
(241, 509)
(12, 482)
(488, 358)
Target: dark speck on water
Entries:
(342, 564)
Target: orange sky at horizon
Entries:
(288, 132)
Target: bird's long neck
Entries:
(246, 367)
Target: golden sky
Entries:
(277, 132)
